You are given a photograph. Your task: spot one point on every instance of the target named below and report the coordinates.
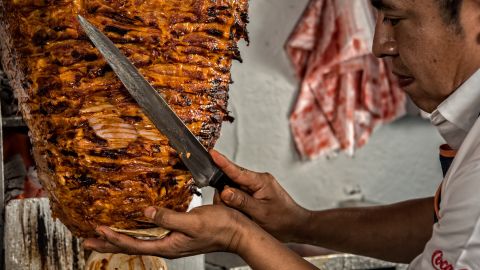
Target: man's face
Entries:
(430, 57)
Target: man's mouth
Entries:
(404, 80)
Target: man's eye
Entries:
(391, 21)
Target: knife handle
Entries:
(221, 181)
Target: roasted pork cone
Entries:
(99, 157)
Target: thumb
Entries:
(169, 219)
(216, 199)
(239, 200)
(245, 178)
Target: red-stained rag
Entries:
(346, 92)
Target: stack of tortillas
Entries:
(147, 234)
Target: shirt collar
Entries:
(463, 106)
(459, 112)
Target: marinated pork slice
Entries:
(99, 157)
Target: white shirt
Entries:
(458, 113)
(455, 243)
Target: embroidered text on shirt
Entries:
(439, 263)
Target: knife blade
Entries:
(192, 153)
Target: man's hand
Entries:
(202, 230)
(263, 199)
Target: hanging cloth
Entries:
(346, 92)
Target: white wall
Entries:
(400, 162)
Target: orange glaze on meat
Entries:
(99, 157)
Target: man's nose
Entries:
(384, 43)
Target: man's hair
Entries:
(451, 11)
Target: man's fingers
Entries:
(126, 243)
(239, 175)
(120, 243)
(216, 199)
(171, 220)
(239, 200)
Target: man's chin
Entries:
(423, 104)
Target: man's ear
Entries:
(471, 17)
(476, 3)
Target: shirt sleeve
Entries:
(455, 242)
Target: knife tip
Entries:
(81, 18)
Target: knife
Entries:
(192, 153)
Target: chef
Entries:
(434, 48)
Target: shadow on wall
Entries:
(271, 23)
(269, 32)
